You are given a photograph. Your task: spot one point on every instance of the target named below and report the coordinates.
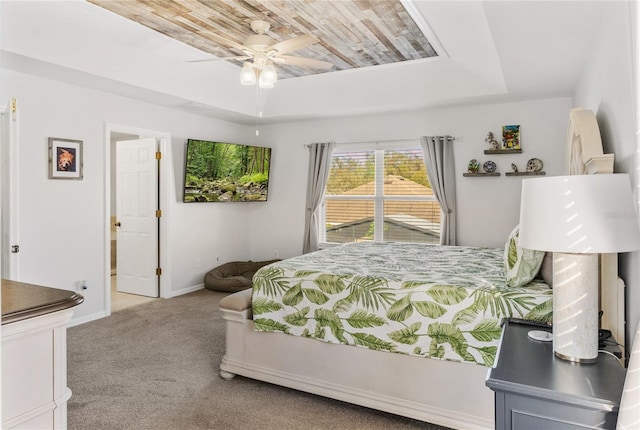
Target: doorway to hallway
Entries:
(136, 267)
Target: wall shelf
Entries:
(480, 174)
(503, 151)
(525, 173)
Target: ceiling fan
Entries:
(264, 51)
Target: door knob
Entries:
(117, 224)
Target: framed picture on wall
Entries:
(65, 158)
(511, 137)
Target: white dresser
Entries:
(34, 355)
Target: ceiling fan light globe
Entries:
(265, 82)
(247, 74)
(268, 75)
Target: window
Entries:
(379, 195)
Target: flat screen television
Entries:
(225, 172)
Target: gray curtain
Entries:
(438, 157)
(319, 166)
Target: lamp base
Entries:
(575, 359)
(575, 307)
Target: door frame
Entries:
(9, 185)
(164, 141)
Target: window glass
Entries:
(352, 173)
(380, 195)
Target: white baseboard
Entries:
(186, 290)
(96, 316)
(87, 318)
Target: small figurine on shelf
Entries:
(491, 141)
(514, 167)
(534, 165)
(473, 166)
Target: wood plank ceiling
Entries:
(351, 34)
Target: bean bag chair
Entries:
(233, 276)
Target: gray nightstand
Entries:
(535, 390)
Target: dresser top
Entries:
(21, 301)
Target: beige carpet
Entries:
(155, 366)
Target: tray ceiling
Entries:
(351, 34)
(484, 55)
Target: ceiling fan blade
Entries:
(225, 42)
(290, 45)
(239, 58)
(289, 60)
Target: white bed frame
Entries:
(585, 156)
(440, 392)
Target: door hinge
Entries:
(158, 213)
(158, 155)
(14, 108)
(158, 271)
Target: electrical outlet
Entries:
(198, 262)
(82, 286)
(217, 259)
(276, 253)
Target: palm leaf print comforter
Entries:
(443, 302)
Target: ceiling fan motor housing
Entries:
(259, 42)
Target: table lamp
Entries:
(577, 217)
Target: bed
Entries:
(410, 329)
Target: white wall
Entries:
(62, 223)
(488, 208)
(607, 87)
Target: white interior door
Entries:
(136, 221)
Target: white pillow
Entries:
(520, 265)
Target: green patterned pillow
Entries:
(520, 265)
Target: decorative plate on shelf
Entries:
(489, 166)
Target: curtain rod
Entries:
(451, 138)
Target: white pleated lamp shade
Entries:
(579, 214)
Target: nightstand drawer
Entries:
(530, 413)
